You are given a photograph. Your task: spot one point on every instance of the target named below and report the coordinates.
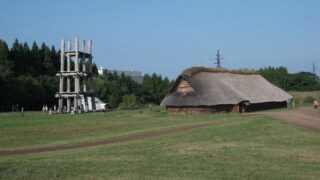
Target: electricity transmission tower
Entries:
(314, 68)
(218, 59)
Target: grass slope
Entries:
(259, 148)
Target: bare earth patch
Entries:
(306, 117)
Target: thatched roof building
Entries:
(206, 90)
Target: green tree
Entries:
(36, 57)
(16, 55)
(47, 60)
(4, 75)
(129, 102)
(278, 76)
(303, 81)
(4, 55)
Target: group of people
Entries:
(46, 110)
(49, 110)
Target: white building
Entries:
(135, 75)
(98, 105)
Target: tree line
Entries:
(27, 75)
(27, 79)
(301, 81)
(118, 89)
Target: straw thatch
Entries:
(194, 70)
(222, 87)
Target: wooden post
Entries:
(61, 66)
(84, 78)
(60, 104)
(68, 56)
(83, 57)
(76, 65)
(76, 50)
(76, 78)
(84, 67)
(68, 77)
(68, 65)
(62, 56)
(75, 102)
(90, 57)
(61, 75)
(68, 104)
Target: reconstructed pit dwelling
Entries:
(76, 96)
(201, 90)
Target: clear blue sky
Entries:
(167, 36)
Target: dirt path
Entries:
(306, 117)
(120, 139)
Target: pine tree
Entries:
(4, 56)
(27, 60)
(4, 75)
(36, 58)
(55, 59)
(48, 62)
(16, 55)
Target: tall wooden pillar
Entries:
(90, 58)
(76, 69)
(60, 108)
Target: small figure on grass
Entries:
(22, 112)
(72, 110)
(105, 108)
(81, 108)
(315, 104)
(43, 109)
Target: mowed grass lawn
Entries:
(240, 147)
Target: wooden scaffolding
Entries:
(75, 95)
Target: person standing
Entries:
(315, 104)
(43, 109)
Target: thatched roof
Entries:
(196, 69)
(221, 86)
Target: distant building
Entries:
(135, 75)
(100, 71)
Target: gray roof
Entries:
(127, 73)
(217, 88)
(136, 76)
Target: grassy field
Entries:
(255, 147)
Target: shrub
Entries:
(308, 99)
(129, 102)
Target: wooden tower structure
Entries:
(77, 73)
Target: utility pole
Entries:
(218, 59)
